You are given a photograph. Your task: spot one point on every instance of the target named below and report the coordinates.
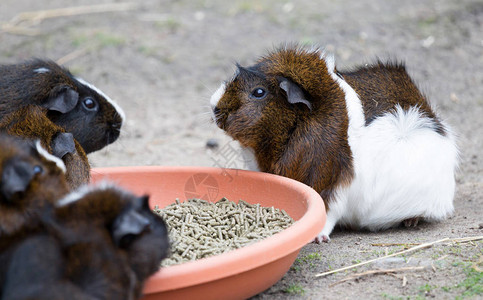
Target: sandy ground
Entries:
(161, 60)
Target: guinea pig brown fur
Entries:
(31, 178)
(31, 122)
(367, 140)
(72, 103)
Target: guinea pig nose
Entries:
(216, 110)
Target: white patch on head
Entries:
(82, 191)
(114, 104)
(215, 98)
(329, 61)
(60, 164)
(41, 70)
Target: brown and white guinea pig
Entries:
(367, 140)
(31, 122)
(126, 221)
(73, 104)
(31, 178)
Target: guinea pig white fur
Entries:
(366, 139)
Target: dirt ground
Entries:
(161, 60)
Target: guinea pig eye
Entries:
(259, 93)
(38, 169)
(89, 103)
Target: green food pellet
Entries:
(199, 229)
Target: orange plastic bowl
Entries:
(240, 273)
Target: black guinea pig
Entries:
(73, 104)
(31, 122)
(367, 140)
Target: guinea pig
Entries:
(367, 140)
(31, 122)
(127, 222)
(42, 267)
(99, 242)
(31, 178)
(72, 103)
(68, 261)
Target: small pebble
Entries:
(212, 144)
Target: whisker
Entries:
(206, 87)
(120, 143)
(122, 131)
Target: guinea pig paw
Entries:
(411, 222)
(322, 238)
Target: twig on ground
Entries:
(467, 239)
(476, 265)
(386, 256)
(32, 18)
(372, 272)
(394, 244)
(421, 246)
(73, 55)
(458, 240)
(18, 30)
(442, 257)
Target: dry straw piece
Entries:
(22, 22)
(199, 229)
(418, 247)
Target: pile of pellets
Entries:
(199, 229)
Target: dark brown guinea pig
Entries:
(38, 267)
(72, 103)
(367, 140)
(31, 178)
(31, 122)
(73, 257)
(128, 224)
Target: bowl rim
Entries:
(243, 259)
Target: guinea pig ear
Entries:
(127, 226)
(294, 93)
(62, 144)
(63, 100)
(145, 202)
(16, 177)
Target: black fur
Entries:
(74, 106)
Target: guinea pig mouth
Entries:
(112, 135)
(219, 117)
